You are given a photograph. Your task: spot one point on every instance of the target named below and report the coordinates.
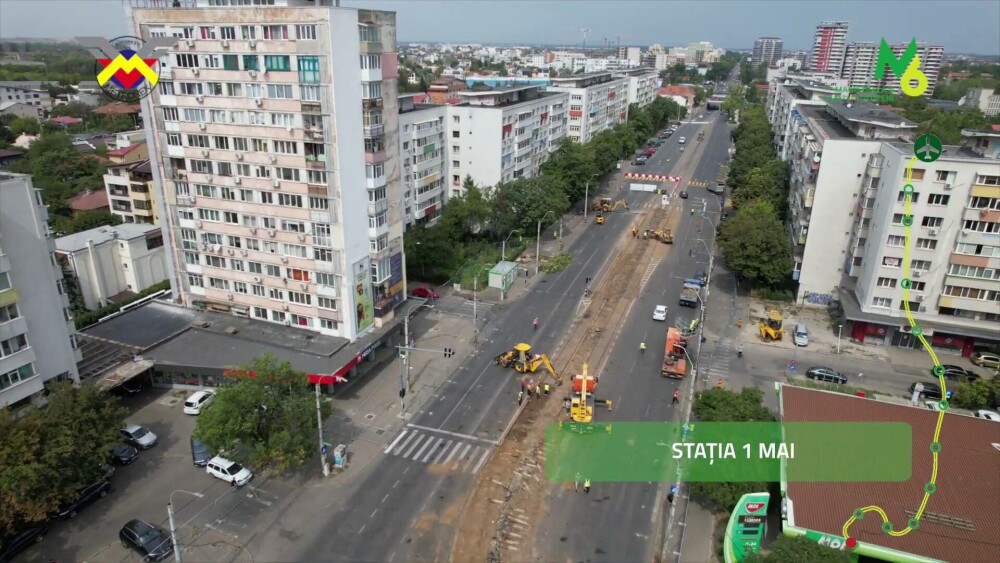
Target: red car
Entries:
(424, 292)
(649, 151)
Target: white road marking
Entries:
(373, 514)
(414, 446)
(454, 450)
(441, 451)
(384, 498)
(404, 444)
(420, 452)
(394, 442)
(433, 449)
(396, 484)
(450, 433)
(482, 460)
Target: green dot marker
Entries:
(939, 371)
(905, 283)
(859, 514)
(943, 404)
(913, 523)
(935, 447)
(908, 189)
(915, 330)
(907, 220)
(887, 527)
(930, 488)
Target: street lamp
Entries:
(403, 373)
(538, 238)
(170, 518)
(840, 329)
(586, 196)
(503, 248)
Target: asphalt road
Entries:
(406, 509)
(618, 521)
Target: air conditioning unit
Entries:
(225, 43)
(302, 238)
(253, 44)
(232, 252)
(253, 74)
(289, 128)
(229, 296)
(304, 285)
(237, 180)
(271, 233)
(253, 230)
(948, 185)
(284, 308)
(922, 309)
(287, 322)
(197, 224)
(274, 159)
(199, 99)
(190, 42)
(917, 273)
(204, 152)
(256, 279)
(276, 183)
(204, 246)
(195, 71)
(202, 126)
(244, 252)
(284, 259)
(239, 156)
(918, 298)
(965, 232)
(217, 249)
(259, 101)
(933, 232)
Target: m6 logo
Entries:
(906, 67)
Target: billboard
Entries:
(364, 310)
(396, 279)
(746, 527)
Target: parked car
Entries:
(123, 454)
(801, 335)
(930, 391)
(198, 401)
(660, 313)
(681, 141)
(18, 542)
(424, 292)
(955, 372)
(152, 543)
(985, 359)
(88, 495)
(139, 437)
(228, 471)
(639, 162)
(702, 277)
(987, 415)
(199, 453)
(828, 375)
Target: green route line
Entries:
(915, 330)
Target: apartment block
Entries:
(423, 150)
(132, 194)
(597, 102)
(37, 336)
(954, 255)
(861, 63)
(829, 47)
(642, 85)
(27, 92)
(784, 95)
(767, 50)
(274, 141)
(633, 54)
(828, 152)
(985, 100)
(111, 263)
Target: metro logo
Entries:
(752, 507)
(906, 67)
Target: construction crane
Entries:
(523, 361)
(582, 400)
(584, 31)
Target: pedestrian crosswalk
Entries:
(455, 452)
(699, 184)
(718, 362)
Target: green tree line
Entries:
(473, 225)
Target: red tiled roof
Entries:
(124, 151)
(119, 108)
(995, 127)
(87, 201)
(66, 120)
(419, 99)
(968, 468)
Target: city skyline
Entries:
(963, 28)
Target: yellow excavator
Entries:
(603, 204)
(770, 328)
(582, 400)
(523, 361)
(618, 203)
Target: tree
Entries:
(86, 220)
(48, 455)
(978, 394)
(800, 548)
(756, 246)
(264, 415)
(23, 125)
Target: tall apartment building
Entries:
(829, 46)
(954, 256)
(702, 52)
(827, 153)
(37, 337)
(642, 84)
(423, 150)
(597, 102)
(767, 50)
(132, 194)
(784, 94)
(274, 138)
(985, 100)
(860, 65)
(633, 54)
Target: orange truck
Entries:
(578, 384)
(674, 362)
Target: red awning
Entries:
(338, 377)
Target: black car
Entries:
(152, 543)
(88, 495)
(16, 543)
(638, 162)
(828, 375)
(684, 195)
(124, 454)
(199, 453)
(955, 373)
(931, 390)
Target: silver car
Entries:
(139, 437)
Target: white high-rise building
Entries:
(861, 60)
(423, 150)
(37, 336)
(597, 102)
(274, 140)
(642, 85)
(767, 50)
(829, 45)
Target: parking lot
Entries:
(210, 527)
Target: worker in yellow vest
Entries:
(547, 388)
(586, 486)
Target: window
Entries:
(239, 287)
(221, 143)
(211, 61)
(13, 345)
(255, 267)
(972, 293)
(257, 290)
(300, 298)
(882, 302)
(371, 62)
(293, 226)
(217, 116)
(234, 89)
(166, 88)
(218, 283)
(232, 218)
(920, 265)
(283, 119)
(369, 34)
(209, 215)
(277, 62)
(204, 190)
(914, 197)
(326, 303)
(290, 200)
(981, 227)
(259, 312)
(186, 60)
(886, 282)
(209, 33)
(215, 261)
(190, 88)
(895, 240)
(320, 203)
(251, 62)
(305, 32)
(371, 90)
(942, 175)
(926, 243)
(309, 70)
(213, 88)
(938, 199)
(275, 293)
(240, 144)
(978, 250)
(984, 180)
(280, 91)
(8, 313)
(272, 270)
(890, 262)
(248, 32)
(917, 286)
(170, 114)
(974, 272)
(326, 279)
(932, 222)
(224, 168)
(316, 177)
(298, 275)
(309, 93)
(323, 254)
(195, 115)
(174, 139)
(201, 166)
(328, 324)
(228, 32)
(274, 32)
(200, 141)
(985, 203)
(290, 174)
(195, 280)
(230, 62)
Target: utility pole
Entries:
(406, 362)
(319, 425)
(475, 302)
(173, 532)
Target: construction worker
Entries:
(547, 389)
(692, 211)
(536, 323)
(586, 486)
(642, 347)
(739, 353)
(677, 397)
(520, 398)
(719, 384)
(635, 232)
(739, 323)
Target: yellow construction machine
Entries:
(599, 218)
(603, 204)
(523, 361)
(770, 328)
(618, 203)
(582, 400)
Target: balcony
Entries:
(373, 157)
(316, 161)
(375, 232)
(376, 207)
(371, 103)
(313, 133)
(375, 182)
(374, 130)
(8, 296)
(312, 105)
(371, 75)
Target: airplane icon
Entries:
(927, 152)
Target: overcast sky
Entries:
(968, 26)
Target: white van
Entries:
(228, 471)
(801, 335)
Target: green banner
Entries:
(843, 452)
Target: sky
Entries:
(961, 26)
